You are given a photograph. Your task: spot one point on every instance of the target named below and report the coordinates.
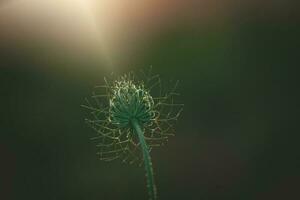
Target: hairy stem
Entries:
(147, 160)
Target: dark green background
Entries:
(237, 138)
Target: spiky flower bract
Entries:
(130, 120)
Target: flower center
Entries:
(130, 101)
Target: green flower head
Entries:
(118, 103)
(130, 101)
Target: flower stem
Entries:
(147, 160)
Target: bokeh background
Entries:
(238, 137)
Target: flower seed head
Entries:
(130, 101)
(114, 105)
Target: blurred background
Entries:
(237, 64)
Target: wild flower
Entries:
(129, 121)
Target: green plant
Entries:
(129, 121)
